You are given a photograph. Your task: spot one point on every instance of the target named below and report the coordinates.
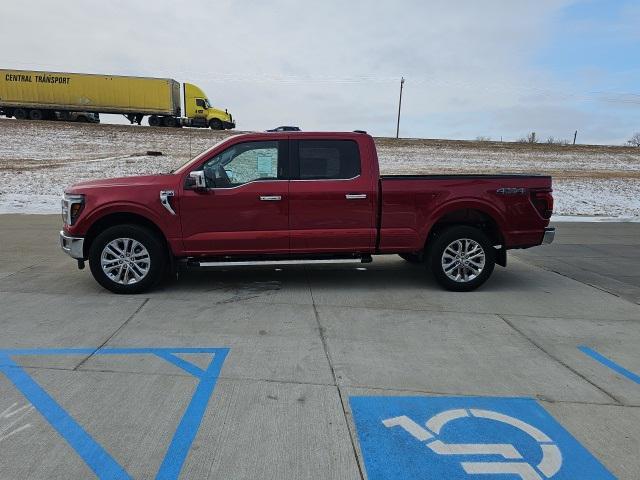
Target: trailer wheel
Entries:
(36, 114)
(169, 122)
(154, 121)
(20, 113)
(215, 124)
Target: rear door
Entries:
(331, 198)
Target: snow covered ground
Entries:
(38, 159)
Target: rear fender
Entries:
(465, 204)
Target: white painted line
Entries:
(523, 470)
(436, 422)
(408, 425)
(551, 460)
(525, 427)
(505, 450)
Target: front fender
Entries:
(95, 213)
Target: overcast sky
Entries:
(472, 68)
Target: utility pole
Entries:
(574, 137)
(399, 107)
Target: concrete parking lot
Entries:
(252, 373)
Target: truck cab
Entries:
(200, 113)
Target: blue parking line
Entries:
(107, 351)
(610, 363)
(96, 457)
(190, 423)
(183, 364)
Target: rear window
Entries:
(328, 159)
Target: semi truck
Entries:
(55, 95)
(300, 197)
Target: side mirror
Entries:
(199, 180)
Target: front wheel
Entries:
(461, 258)
(215, 124)
(127, 259)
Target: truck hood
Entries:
(141, 180)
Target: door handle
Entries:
(355, 196)
(270, 198)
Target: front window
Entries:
(243, 163)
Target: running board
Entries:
(257, 263)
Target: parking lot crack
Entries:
(568, 367)
(325, 347)
(129, 318)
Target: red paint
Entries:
(314, 216)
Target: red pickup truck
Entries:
(294, 197)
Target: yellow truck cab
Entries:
(198, 108)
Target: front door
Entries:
(331, 200)
(245, 208)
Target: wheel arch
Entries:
(485, 219)
(122, 218)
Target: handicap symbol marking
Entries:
(549, 464)
(92, 453)
(467, 437)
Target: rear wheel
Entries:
(20, 113)
(461, 258)
(127, 259)
(169, 122)
(154, 121)
(215, 124)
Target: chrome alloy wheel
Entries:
(125, 261)
(463, 260)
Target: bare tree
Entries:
(635, 140)
(557, 141)
(530, 138)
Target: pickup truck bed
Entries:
(300, 196)
(412, 204)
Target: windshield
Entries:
(206, 103)
(182, 167)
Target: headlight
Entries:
(72, 206)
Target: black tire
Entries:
(412, 257)
(20, 113)
(169, 122)
(157, 256)
(446, 238)
(154, 121)
(36, 114)
(215, 124)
